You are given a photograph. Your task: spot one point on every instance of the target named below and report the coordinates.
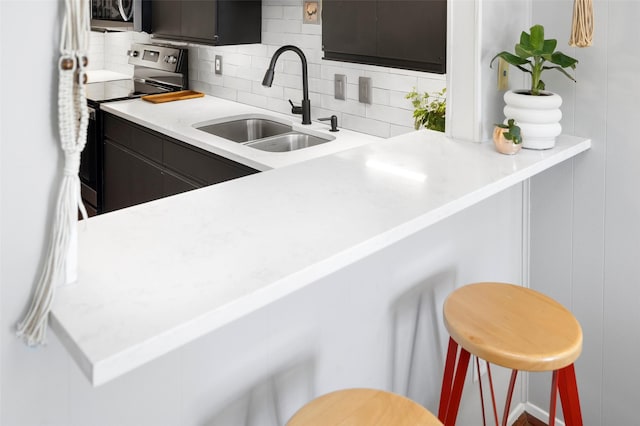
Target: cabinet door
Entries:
(166, 18)
(413, 31)
(129, 179)
(174, 184)
(199, 19)
(349, 27)
(201, 166)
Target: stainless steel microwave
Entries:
(121, 15)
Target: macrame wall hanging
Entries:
(582, 25)
(61, 259)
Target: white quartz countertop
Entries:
(159, 275)
(177, 119)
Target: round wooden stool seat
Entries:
(363, 407)
(517, 328)
(513, 326)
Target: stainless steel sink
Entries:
(263, 134)
(246, 129)
(287, 142)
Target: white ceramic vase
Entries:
(538, 117)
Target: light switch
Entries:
(503, 74)
(364, 90)
(218, 64)
(340, 86)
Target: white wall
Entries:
(584, 222)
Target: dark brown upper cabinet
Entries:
(216, 22)
(409, 34)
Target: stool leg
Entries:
(447, 379)
(451, 395)
(507, 404)
(554, 398)
(569, 397)
(484, 416)
(493, 394)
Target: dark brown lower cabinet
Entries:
(141, 165)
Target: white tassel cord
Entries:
(73, 116)
(582, 24)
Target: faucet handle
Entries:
(334, 122)
(295, 109)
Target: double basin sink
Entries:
(263, 134)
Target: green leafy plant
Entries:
(429, 110)
(531, 55)
(513, 132)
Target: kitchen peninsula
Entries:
(156, 276)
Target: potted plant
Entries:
(507, 137)
(429, 110)
(536, 109)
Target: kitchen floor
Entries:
(527, 419)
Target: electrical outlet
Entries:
(340, 86)
(364, 90)
(218, 64)
(503, 74)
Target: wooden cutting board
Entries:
(173, 96)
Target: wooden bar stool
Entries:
(363, 407)
(517, 328)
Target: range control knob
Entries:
(170, 59)
(133, 53)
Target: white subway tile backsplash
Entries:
(279, 105)
(399, 100)
(287, 80)
(431, 85)
(210, 77)
(275, 92)
(387, 80)
(348, 106)
(352, 91)
(390, 114)
(236, 83)
(296, 95)
(381, 96)
(311, 29)
(274, 39)
(253, 49)
(324, 87)
(364, 125)
(251, 74)
(223, 92)
(252, 99)
(293, 12)
(238, 59)
(272, 12)
(396, 130)
(329, 71)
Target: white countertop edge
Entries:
(102, 371)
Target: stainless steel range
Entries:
(157, 69)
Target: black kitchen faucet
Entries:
(305, 109)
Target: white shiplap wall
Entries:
(389, 114)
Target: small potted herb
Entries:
(429, 109)
(507, 137)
